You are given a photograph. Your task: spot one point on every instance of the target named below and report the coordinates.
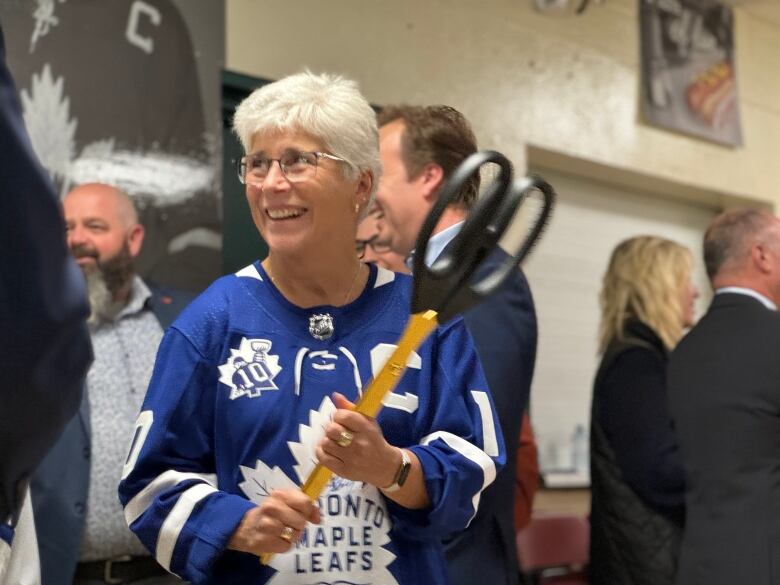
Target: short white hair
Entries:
(328, 107)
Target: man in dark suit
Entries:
(724, 396)
(420, 147)
(44, 344)
(80, 525)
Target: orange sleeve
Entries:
(527, 479)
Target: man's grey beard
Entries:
(105, 282)
(101, 301)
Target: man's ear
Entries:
(760, 254)
(135, 239)
(432, 178)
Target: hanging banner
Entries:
(126, 92)
(689, 82)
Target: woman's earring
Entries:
(357, 208)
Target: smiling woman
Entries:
(242, 404)
(307, 212)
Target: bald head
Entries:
(742, 248)
(730, 237)
(109, 198)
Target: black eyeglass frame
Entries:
(240, 164)
(361, 245)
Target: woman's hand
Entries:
(354, 448)
(276, 524)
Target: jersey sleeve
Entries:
(169, 492)
(461, 447)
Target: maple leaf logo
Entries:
(347, 507)
(262, 480)
(309, 436)
(52, 131)
(250, 369)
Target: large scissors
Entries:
(448, 287)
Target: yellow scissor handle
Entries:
(417, 330)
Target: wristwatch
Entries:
(401, 474)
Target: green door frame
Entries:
(241, 244)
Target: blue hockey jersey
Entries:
(240, 394)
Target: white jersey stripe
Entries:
(383, 277)
(355, 370)
(172, 527)
(408, 402)
(488, 426)
(298, 363)
(470, 452)
(249, 272)
(138, 505)
(5, 558)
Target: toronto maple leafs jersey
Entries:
(239, 397)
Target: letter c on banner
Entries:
(146, 44)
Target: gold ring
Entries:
(287, 533)
(345, 439)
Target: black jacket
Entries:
(724, 395)
(504, 331)
(636, 472)
(44, 342)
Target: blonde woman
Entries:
(637, 508)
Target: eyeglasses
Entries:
(378, 247)
(296, 166)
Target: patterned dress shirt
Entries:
(125, 350)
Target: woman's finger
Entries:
(299, 502)
(339, 434)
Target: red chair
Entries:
(554, 550)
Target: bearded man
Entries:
(82, 534)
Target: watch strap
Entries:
(401, 474)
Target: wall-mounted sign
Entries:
(113, 92)
(689, 81)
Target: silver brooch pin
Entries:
(321, 326)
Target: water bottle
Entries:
(580, 454)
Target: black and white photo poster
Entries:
(689, 80)
(126, 92)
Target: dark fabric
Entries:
(60, 485)
(59, 490)
(630, 404)
(504, 332)
(44, 343)
(91, 50)
(637, 478)
(724, 395)
(133, 569)
(166, 303)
